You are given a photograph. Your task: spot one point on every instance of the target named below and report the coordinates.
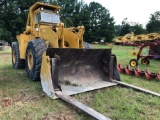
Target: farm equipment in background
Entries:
(59, 58)
(150, 41)
(153, 36)
(153, 52)
(140, 38)
(128, 38)
(119, 40)
(139, 73)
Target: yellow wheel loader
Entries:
(59, 58)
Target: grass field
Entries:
(22, 99)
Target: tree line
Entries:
(98, 22)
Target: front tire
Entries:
(133, 63)
(34, 51)
(16, 61)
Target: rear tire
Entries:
(16, 61)
(145, 61)
(34, 51)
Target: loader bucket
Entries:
(76, 70)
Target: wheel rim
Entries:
(144, 61)
(14, 56)
(30, 60)
(133, 63)
(134, 53)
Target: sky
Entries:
(135, 10)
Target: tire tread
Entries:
(38, 47)
(19, 63)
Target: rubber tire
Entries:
(86, 45)
(116, 74)
(147, 61)
(134, 61)
(19, 63)
(37, 48)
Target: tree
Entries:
(154, 23)
(125, 27)
(138, 29)
(96, 19)
(70, 10)
(13, 17)
(117, 30)
(101, 23)
(84, 18)
(128, 27)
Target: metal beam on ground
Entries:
(81, 106)
(136, 88)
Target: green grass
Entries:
(5, 51)
(24, 99)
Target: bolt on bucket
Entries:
(76, 70)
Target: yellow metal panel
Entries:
(59, 32)
(80, 32)
(71, 38)
(152, 36)
(46, 79)
(23, 41)
(80, 35)
(49, 35)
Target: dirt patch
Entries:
(6, 102)
(5, 54)
(26, 98)
(57, 117)
(22, 99)
(5, 58)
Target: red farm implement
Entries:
(137, 72)
(153, 52)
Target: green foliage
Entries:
(101, 23)
(94, 17)
(127, 27)
(117, 30)
(154, 23)
(138, 29)
(13, 17)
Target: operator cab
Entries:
(45, 16)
